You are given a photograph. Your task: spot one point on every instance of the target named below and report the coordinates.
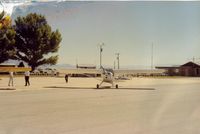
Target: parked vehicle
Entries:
(37, 72)
(46, 71)
(50, 71)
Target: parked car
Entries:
(50, 71)
(37, 72)
(46, 71)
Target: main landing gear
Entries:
(97, 86)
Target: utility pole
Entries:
(118, 59)
(152, 56)
(76, 63)
(193, 59)
(101, 50)
(114, 64)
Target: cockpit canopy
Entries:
(109, 70)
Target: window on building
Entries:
(177, 70)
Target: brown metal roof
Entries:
(190, 64)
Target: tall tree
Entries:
(7, 38)
(35, 40)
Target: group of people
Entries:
(26, 76)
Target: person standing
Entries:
(27, 75)
(66, 78)
(10, 79)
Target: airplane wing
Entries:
(79, 71)
(15, 69)
(138, 72)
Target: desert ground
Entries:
(139, 106)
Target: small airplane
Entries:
(108, 75)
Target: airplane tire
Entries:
(97, 86)
(116, 86)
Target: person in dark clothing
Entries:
(66, 78)
(27, 75)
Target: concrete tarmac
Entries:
(140, 106)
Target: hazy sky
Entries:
(129, 28)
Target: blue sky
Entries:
(129, 28)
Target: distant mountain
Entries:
(11, 62)
(59, 66)
(62, 66)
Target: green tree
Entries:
(35, 40)
(7, 38)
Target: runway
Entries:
(50, 106)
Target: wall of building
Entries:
(189, 71)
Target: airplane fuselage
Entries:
(108, 77)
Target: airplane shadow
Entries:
(104, 87)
